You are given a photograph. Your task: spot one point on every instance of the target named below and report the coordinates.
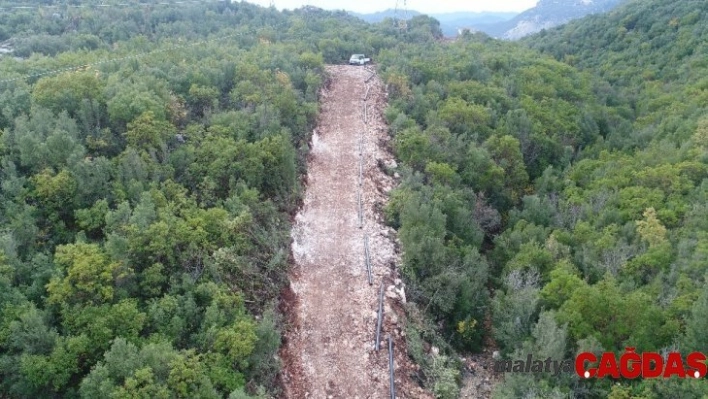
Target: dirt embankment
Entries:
(328, 350)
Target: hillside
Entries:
(168, 215)
(582, 182)
(652, 53)
(546, 14)
(151, 157)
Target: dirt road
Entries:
(329, 350)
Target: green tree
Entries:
(202, 99)
(513, 310)
(506, 152)
(651, 229)
(146, 132)
(696, 325)
(155, 369)
(129, 103)
(67, 91)
(88, 275)
(461, 117)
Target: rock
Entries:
(396, 176)
(435, 350)
(496, 355)
(402, 295)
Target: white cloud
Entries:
(424, 6)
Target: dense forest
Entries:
(146, 197)
(552, 200)
(566, 174)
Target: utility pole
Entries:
(400, 15)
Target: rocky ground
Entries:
(329, 346)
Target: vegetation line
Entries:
(128, 57)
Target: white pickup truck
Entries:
(359, 59)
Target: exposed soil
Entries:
(329, 346)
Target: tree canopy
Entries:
(552, 192)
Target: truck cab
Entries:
(359, 59)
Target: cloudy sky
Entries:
(425, 6)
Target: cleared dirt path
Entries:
(329, 348)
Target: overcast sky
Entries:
(424, 6)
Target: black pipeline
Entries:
(377, 346)
(390, 366)
(367, 258)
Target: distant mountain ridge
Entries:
(504, 25)
(379, 16)
(449, 22)
(546, 14)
